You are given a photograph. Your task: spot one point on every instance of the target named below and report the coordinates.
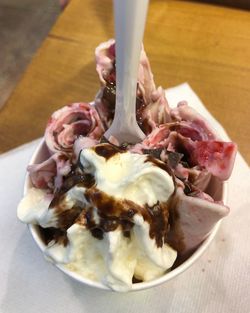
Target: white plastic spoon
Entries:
(130, 17)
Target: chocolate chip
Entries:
(174, 158)
(109, 224)
(97, 233)
(130, 213)
(153, 152)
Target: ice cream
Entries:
(119, 213)
(116, 204)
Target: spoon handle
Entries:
(130, 17)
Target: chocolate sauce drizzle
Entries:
(107, 150)
(53, 234)
(112, 213)
(116, 213)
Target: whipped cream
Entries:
(127, 175)
(117, 217)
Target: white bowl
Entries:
(217, 190)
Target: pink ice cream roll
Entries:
(68, 123)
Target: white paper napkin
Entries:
(218, 282)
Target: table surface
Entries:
(205, 45)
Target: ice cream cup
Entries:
(218, 190)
